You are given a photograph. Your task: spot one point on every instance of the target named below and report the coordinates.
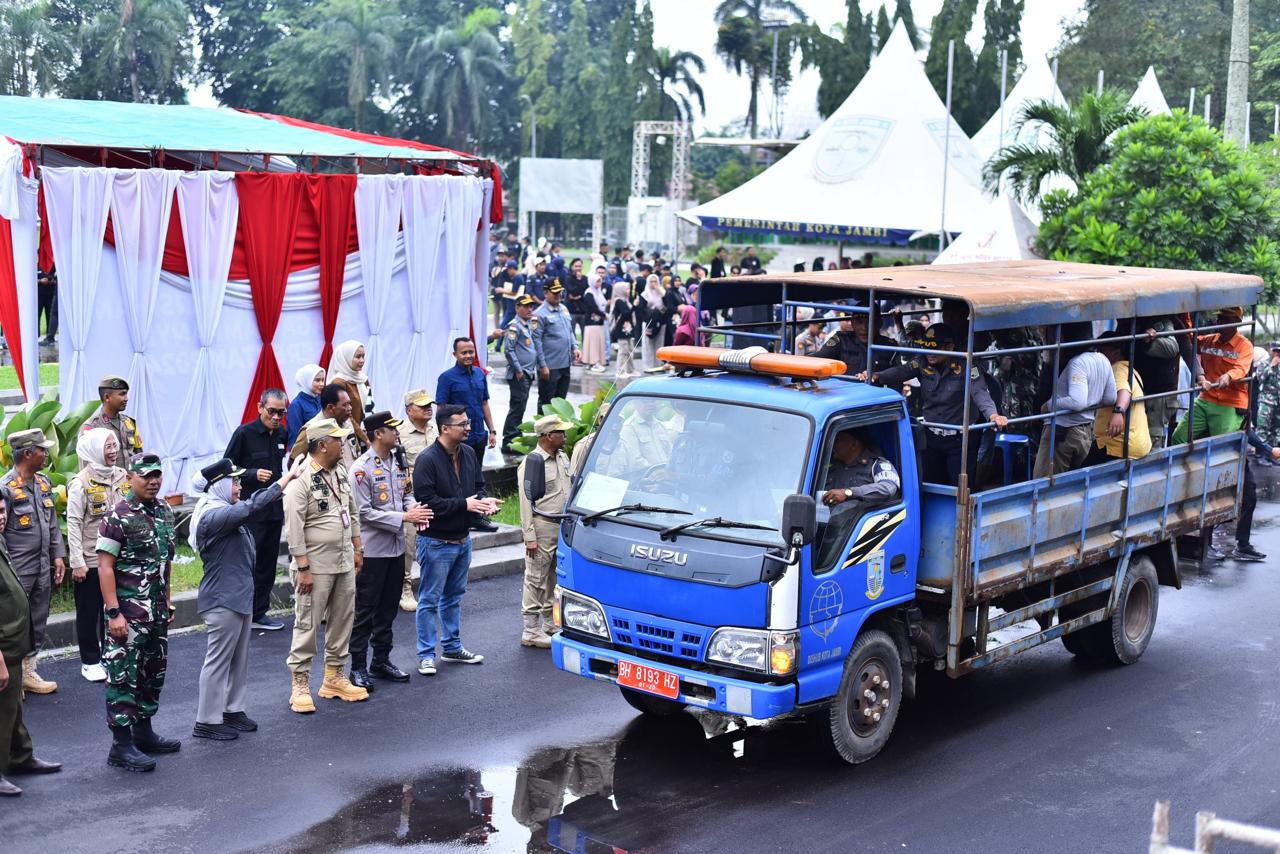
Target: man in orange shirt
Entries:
(1226, 357)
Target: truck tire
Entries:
(648, 704)
(863, 712)
(1134, 620)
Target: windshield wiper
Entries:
(713, 522)
(631, 508)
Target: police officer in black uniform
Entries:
(858, 472)
(941, 381)
(850, 345)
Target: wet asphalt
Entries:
(1043, 753)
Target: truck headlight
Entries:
(580, 614)
(752, 649)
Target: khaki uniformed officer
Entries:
(540, 535)
(34, 540)
(113, 391)
(417, 433)
(323, 532)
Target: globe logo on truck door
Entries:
(825, 607)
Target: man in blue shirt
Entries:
(555, 346)
(464, 384)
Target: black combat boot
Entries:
(124, 755)
(148, 742)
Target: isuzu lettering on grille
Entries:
(659, 555)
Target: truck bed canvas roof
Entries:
(1004, 294)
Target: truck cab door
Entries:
(863, 555)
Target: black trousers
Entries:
(1244, 522)
(556, 385)
(377, 602)
(90, 619)
(47, 305)
(519, 403)
(266, 537)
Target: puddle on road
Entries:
(616, 796)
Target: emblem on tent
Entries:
(849, 146)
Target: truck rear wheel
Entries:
(864, 710)
(1134, 621)
(648, 704)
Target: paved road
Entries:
(1041, 754)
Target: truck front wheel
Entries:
(648, 704)
(865, 708)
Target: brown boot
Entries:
(31, 681)
(300, 698)
(408, 602)
(549, 626)
(533, 635)
(337, 686)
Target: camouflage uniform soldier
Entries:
(113, 391)
(135, 557)
(1018, 375)
(1269, 397)
(541, 535)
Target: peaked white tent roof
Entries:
(1148, 94)
(1035, 84)
(871, 173)
(1005, 233)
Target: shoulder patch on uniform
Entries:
(973, 373)
(533, 321)
(915, 364)
(359, 474)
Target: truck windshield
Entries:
(705, 458)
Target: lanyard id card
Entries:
(346, 518)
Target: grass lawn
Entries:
(188, 569)
(509, 511)
(48, 376)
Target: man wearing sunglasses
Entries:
(259, 448)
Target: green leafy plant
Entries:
(1174, 194)
(582, 418)
(63, 431)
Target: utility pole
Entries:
(1236, 115)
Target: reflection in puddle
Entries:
(608, 797)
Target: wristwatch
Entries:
(848, 493)
(112, 613)
(1118, 410)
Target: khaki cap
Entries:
(33, 438)
(113, 382)
(325, 427)
(421, 397)
(550, 424)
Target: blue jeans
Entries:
(444, 581)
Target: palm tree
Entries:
(1079, 142)
(457, 71)
(364, 27)
(675, 74)
(746, 46)
(143, 35)
(33, 53)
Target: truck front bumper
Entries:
(704, 690)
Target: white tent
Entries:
(1148, 94)
(1035, 84)
(871, 173)
(1005, 233)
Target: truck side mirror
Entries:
(535, 477)
(799, 516)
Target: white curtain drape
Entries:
(77, 200)
(10, 179)
(425, 204)
(141, 203)
(26, 241)
(480, 280)
(379, 206)
(209, 210)
(462, 213)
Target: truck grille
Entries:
(667, 640)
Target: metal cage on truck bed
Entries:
(1050, 547)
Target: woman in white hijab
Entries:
(595, 310)
(346, 368)
(654, 312)
(91, 495)
(305, 405)
(225, 601)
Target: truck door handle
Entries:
(898, 564)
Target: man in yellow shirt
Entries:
(1109, 426)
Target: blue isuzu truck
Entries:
(698, 567)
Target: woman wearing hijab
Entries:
(306, 403)
(220, 534)
(91, 495)
(687, 331)
(673, 298)
(595, 308)
(346, 369)
(623, 327)
(655, 316)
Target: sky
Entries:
(690, 25)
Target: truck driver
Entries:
(858, 472)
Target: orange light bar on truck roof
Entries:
(753, 360)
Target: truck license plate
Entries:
(648, 679)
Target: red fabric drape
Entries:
(270, 205)
(333, 204)
(9, 317)
(44, 254)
